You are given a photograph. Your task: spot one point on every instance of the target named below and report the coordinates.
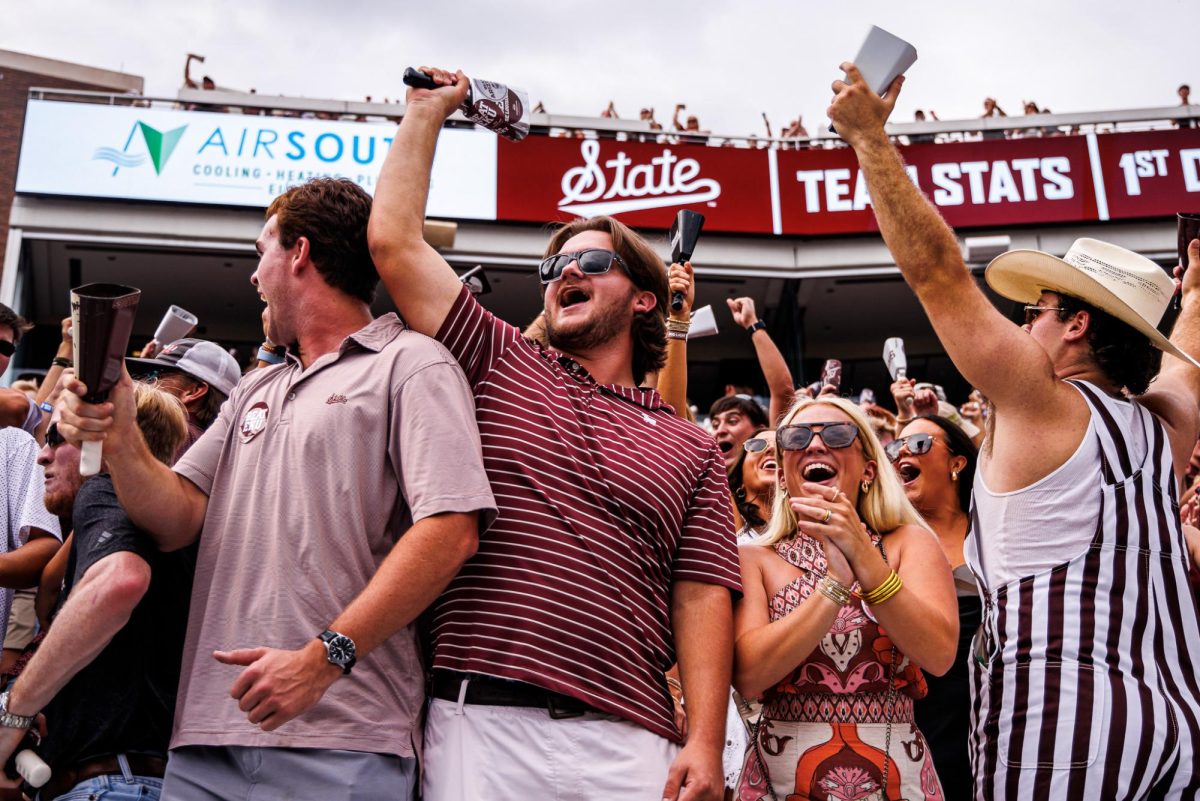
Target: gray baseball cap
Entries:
(202, 360)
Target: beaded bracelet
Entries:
(834, 590)
(679, 326)
(890, 586)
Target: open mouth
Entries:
(909, 472)
(725, 445)
(819, 472)
(768, 464)
(571, 296)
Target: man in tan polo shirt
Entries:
(334, 497)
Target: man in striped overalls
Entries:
(1085, 685)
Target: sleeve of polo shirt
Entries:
(434, 445)
(199, 464)
(475, 337)
(26, 488)
(708, 548)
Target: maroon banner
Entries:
(821, 192)
(642, 183)
(972, 183)
(1151, 174)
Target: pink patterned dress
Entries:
(825, 727)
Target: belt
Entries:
(490, 691)
(62, 780)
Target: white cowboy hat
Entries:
(1125, 284)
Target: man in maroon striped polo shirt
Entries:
(613, 553)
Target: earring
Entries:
(866, 487)
(954, 475)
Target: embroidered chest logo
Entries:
(649, 419)
(254, 421)
(336, 398)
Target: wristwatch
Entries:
(757, 325)
(10, 721)
(339, 649)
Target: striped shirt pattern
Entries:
(1087, 687)
(606, 498)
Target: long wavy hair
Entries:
(884, 508)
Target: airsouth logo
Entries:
(159, 147)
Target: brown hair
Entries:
(16, 322)
(162, 419)
(332, 214)
(647, 272)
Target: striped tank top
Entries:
(1084, 683)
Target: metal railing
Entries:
(1153, 118)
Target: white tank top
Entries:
(1053, 520)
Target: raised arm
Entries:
(770, 360)
(1175, 395)
(158, 500)
(991, 352)
(422, 285)
(672, 379)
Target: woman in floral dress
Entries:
(847, 598)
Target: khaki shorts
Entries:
(22, 621)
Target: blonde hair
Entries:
(163, 420)
(884, 508)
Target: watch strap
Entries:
(757, 325)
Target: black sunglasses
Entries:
(591, 262)
(1034, 311)
(53, 438)
(917, 445)
(797, 437)
(7, 348)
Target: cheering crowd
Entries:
(431, 555)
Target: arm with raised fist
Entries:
(672, 379)
(991, 353)
(770, 360)
(422, 285)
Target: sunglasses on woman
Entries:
(797, 437)
(917, 444)
(757, 445)
(7, 348)
(591, 262)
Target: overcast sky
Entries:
(728, 61)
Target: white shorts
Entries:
(475, 752)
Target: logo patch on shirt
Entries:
(104, 537)
(254, 421)
(649, 419)
(336, 398)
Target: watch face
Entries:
(341, 649)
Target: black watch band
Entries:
(757, 325)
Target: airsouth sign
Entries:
(137, 153)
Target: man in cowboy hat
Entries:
(1084, 677)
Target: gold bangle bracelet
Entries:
(890, 586)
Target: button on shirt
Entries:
(312, 476)
(607, 498)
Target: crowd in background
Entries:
(793, 135)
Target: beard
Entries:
(603, 325)
(59, 504)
